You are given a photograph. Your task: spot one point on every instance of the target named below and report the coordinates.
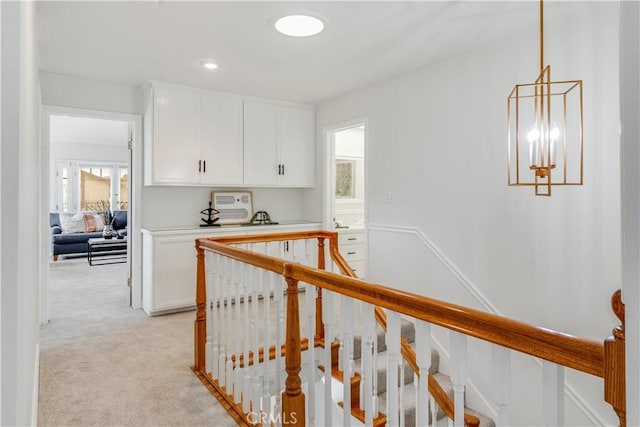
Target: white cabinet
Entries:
(169, 261)
(222, 147)
(278, 145)
(353, 248)
(192, 137)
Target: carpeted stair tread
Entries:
(407, 331)
(381, 370)
(410, 403)
(409, 397)
(408, 387)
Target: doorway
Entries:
(346, 191)
(94, 163)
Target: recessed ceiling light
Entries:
(299, 25)
(210, 65)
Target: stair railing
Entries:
(558, 350)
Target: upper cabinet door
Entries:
(261, 166)
(297, 149)
(222, 153)
(176, 136)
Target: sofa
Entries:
(74, 240)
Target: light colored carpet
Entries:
(105, 364)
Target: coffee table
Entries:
(107, 251)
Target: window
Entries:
(81, 186)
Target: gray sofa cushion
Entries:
(75, 237)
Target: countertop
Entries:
(190, 229)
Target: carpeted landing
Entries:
(105, 364)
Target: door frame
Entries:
(134, 214)
(329, 170)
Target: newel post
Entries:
(293, 412)
(200, 325)
(614, 363)
(321, 266)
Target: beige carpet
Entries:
(104, 364)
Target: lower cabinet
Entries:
(353, 247)
(169, 262)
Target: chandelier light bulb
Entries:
(534, 134)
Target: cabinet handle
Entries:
(279, 169)
(199, 165)
(204, 166)
(283, 169)
(352, 238)
(351, 253)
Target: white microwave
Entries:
(234, 207)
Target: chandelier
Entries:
(545, 130)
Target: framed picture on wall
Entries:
(345, 179)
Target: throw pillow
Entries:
(92, 223)
(99, 222)
(72, 223)
(89, 224)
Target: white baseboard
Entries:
(570, 390)
(36, 388)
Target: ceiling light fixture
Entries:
(210, 65)
(299, 25)
(545, 130)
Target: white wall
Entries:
(75, 92)
(630, 175)
(181, 206)
(20, 216)
(437, 140)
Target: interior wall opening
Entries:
(346, 192)
(90, 178)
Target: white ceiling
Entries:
(84, 130)
(363, 43)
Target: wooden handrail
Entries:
(563, 349)
(578, 353)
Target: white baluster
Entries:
(266, 398)
(327, 320)
(266, 301)
(266, 343)
(254, 335)
(222, 358)
(239, 325)
(501, 379)
(552, 393)
(433, 406)
(458, 375)
(347, 356)
(278, 289)
(423, 359)
(209, 259)
(401, 391)
(368, 372)
(374, 363)
(230, 327)
(217, 307)
(310, 300)
(393, 359)
(246, 343)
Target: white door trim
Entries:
(329, 155)
(134, 211)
